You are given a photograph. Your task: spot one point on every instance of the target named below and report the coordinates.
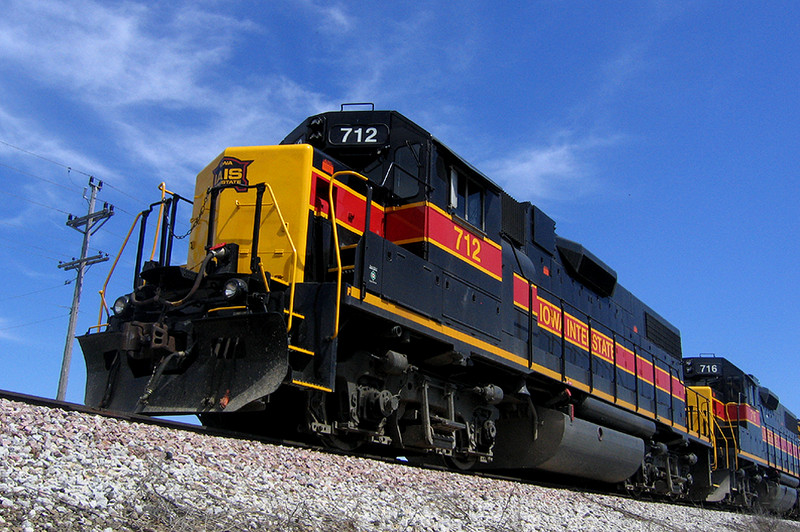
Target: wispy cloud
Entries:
(147, 76)
(35, 137)
(546, 172)
(561, 169)
(331, 13)
(115, 54)
(8, 331)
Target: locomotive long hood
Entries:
(232, 362)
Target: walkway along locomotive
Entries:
(364, 284)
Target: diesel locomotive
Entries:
(363, 285)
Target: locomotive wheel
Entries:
(460, 464)
(439, 461)
(457, 462)
(321, 409)
(347, 444)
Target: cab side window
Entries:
(466, 198)
(407, 169)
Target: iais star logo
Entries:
(232, 171)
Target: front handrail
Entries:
(335, 224)
(103, 304)
(705, 416)
(695, 402)
(255, 264)
(701, 421)
(292, 281)
(165, 238)
(163, 188)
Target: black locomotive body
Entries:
(365, 283)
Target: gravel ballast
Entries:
(62, 470)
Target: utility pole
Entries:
(87, 225)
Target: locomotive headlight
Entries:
(234, 288)
(121, 305)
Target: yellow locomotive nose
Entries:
(286, 173)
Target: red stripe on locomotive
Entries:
(662, 380)
(423, 222)
(626, 359)
(350, 207)
(522, 294)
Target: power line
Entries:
(2, 329)
(34, 202)
(23, 172)
(59, 185)
(36, 291)
(53, 183)
(19, 245)
(123, 193)
(23, 244)
(23, 247)
(48, 257)
(69, 168)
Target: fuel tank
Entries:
(560, 444)
(776, 497)
(610, 416)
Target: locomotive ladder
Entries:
(733, 439)
(337, 249)
(256, 265)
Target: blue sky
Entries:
(661, 135)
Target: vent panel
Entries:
(661, 335)
(513, 219)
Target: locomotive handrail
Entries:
(165, 253)
(335, 224)
(703, 418)
(103, 304)
(727, 447)
(733, 434)
(719, 426)
(693, 411)
(166, 221)
(709, 426)
(220, 309)
(564, 305)
(163, 190)
(704, 410)
(292, 282)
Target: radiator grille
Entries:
(513, 219)
(661, 335)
